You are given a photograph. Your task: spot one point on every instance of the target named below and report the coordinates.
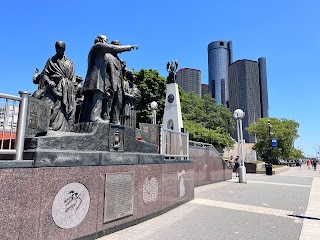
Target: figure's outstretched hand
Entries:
(134, 47)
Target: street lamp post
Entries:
(317, 148)
(154, 106)
(238, 114)
(270, 126)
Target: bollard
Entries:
(242, 174)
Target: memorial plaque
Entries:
(38, 117)
(149, 132)
(119, 194)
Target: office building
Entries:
(204, 89)
(219, 58)
(264, 87)
(248, 91)
(189, 79)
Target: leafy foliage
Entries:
(296, 154)
(197, 132)
(153, 88)
(205, 121)
(284, 130)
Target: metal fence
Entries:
(174, 144)
(201, 144)
(13, 117)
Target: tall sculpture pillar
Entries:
(172, 117)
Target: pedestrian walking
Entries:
(308, 163)
(236, 166)
(231, 162)
(314, 163)
(300, 163)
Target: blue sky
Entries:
(285, 32)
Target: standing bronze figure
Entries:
(59, 78)
(132, 96)
(98, 88)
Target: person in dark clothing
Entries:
(314, 164)
(236, 166)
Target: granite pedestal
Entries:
(88, 183)
(29, 194)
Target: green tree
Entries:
(296, 154)
(197, 132)
(284, 130)
(205, 121)
(153, 88)
(218, 116)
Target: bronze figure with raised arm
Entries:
(97, 88)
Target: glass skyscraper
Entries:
(219, 58)
(263, 87)
(248, 91)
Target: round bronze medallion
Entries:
(170, 98)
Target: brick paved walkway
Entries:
(267, 207)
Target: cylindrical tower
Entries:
(264, 87)
(219, 58)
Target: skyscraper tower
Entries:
(219, 58)
(263, 87)
(248, 91)
(189, 79)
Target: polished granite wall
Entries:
(209, 167)
(27, 196)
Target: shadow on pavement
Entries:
(298, 216)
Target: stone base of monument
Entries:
(53, 198)
(94, 144)
(96, 180)
(88, 201)
(97, 136)
(88, 183)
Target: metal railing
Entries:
(13, 127)
(201, 144)
(174, 144)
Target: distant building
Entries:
(2, 110)
(263, 87)
(204, 89)
(248, 91)
(219, 58)
(189, 79)
(8, 117)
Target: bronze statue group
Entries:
(108, 94)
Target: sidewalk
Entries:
(267, 207)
